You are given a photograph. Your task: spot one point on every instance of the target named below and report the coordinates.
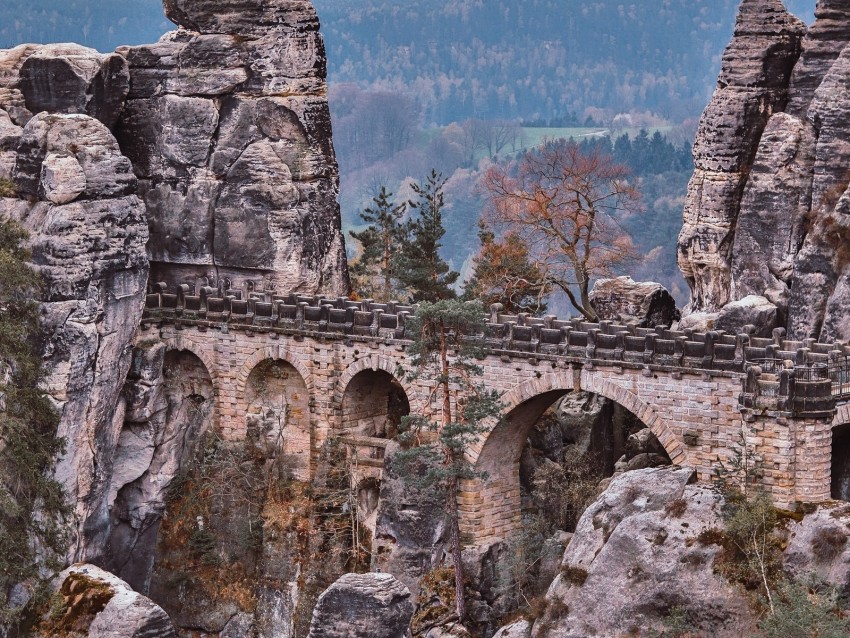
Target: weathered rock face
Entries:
(168, 404)
(228, 127)
(824, 42)
(633, 558)
(363, 606)
(410, 536)
(76, 196)
(783, 231)
(645, 304)
(753, 84)
(818, 546)
(97, 604)
(771, 225)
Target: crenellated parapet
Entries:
(798, 377)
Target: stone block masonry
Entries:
(698, 393)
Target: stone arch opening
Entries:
(277, 415)
(170, 403)
(554, 439)
(840, 481)
(373, 404)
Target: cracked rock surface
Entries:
(766, 209)
(228, 128)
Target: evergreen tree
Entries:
(504, 274)
(31, 503)
(373, 273)
(420, 268)
(442, 355)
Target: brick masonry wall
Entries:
(696, 415)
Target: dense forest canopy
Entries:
(469, 58)
(534, 58)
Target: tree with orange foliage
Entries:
(504, 274)
(564, 203)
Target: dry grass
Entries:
(828, 542)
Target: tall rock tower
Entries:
(228, 128)
(767, 210)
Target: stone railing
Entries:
(522, 335)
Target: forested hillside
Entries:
(533, 58)
(101, 24)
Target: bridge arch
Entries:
(178, 344)
(274, 394)
(492, 508)
(275, 354)
(377, 363)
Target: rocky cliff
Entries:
(228, 128)
(765, 215)
(205, 159)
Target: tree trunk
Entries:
(457, 554)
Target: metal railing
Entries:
(839, 374)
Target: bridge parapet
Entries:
(519, 335)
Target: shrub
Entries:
(802, 611)
(675, 509)
(712, 536)
(7, 188)
(574, 575)
(828, 542)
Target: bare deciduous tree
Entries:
(565, 203)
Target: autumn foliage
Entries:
(565, 204)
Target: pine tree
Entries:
(420, 268)
(31, 503)
(442, 354)
(373, 273)
(504, 274)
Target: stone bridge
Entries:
(329, 368)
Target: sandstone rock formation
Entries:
(818, 546)
(363, 606)
(97, 604)
(228, 128)
(645, 304)
(634, 557)
(778, 230)
(753, 83)
(76, 196)
(409, 537)
(218, 140)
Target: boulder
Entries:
(69, 78)
(751, 311)
(62, 179)
(699, 321)
(643, 304)
(94, 603)
(519, 629)
(818, 546)
(636, 554)
(363, 606)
